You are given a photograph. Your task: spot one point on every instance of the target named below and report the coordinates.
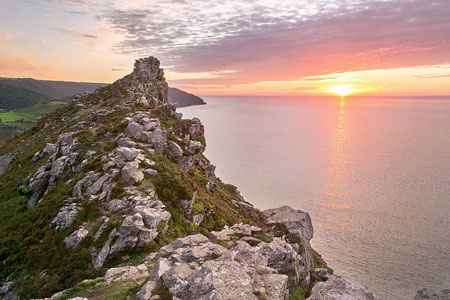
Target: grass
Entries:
(16, 122)
(319, 262)
(12, 116)
(162, 292)
(29, 246)
(34, 112)
(119, 290)
(299, 293)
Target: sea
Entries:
(373, 173)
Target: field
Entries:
(15, 122)
(32, 113)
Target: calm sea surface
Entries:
(374, 174)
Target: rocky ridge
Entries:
(130, 208)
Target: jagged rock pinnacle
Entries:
(146, 84)
(148, 68)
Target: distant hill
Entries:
(12, 97)
(183, 98)
(54, 90)
(16, 93)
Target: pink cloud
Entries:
(24, 67)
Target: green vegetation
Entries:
(200, 139)
(16, 122)
(264, 237)
(162, 292)
(36, 256)
(12, 116)
(94, 289)
(23, 92)
(12, 97)
(319, 262)
(299, 293)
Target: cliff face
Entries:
(111, 197)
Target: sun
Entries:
(341, 90)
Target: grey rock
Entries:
(150, 172)
(126, 153)
(337, 288)
(76, 237)
(100, 115)
(38, 184)
(6, 292)
(5, 287)
(321, 272)
(251, 240)
(126, 142)
(196, 128)
(135, 130)
(131, 174)
(198, 218)
(67, 214)
(158, 139)
(299, 226)
(174, 151)
(115, 205)
(49, 149)
(145, 292)
(221, 280)
(96, 186)
(136, 273)
(428, 294)
(186, 162)
(103, 255)
(195, 147)
(80, 125)
(86, 181)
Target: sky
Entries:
(235, 47)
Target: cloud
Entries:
(8, 36)
(26, 66)
(80, 37)
(433, 76)
(272, 40)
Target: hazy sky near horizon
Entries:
(235, 46)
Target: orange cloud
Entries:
(24, 67)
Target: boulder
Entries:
(299, 225)
(67, 214)
(103, 255)
(126, 153)
(428, 294)
(194, 147)
(226, 279)
(145, 292)
(74, 239)
(137, 273)
(115, 205)
(131, 174)
(174, 151)
(337, 288)
(135, 130)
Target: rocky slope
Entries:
(112, 198)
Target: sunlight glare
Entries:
(341, 90)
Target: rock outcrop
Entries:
(4, 162)
(428, 294)
(122, 174)
(299, 225)
(337, 288)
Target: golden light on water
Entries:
(341, 90)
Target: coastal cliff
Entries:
(111, 197)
